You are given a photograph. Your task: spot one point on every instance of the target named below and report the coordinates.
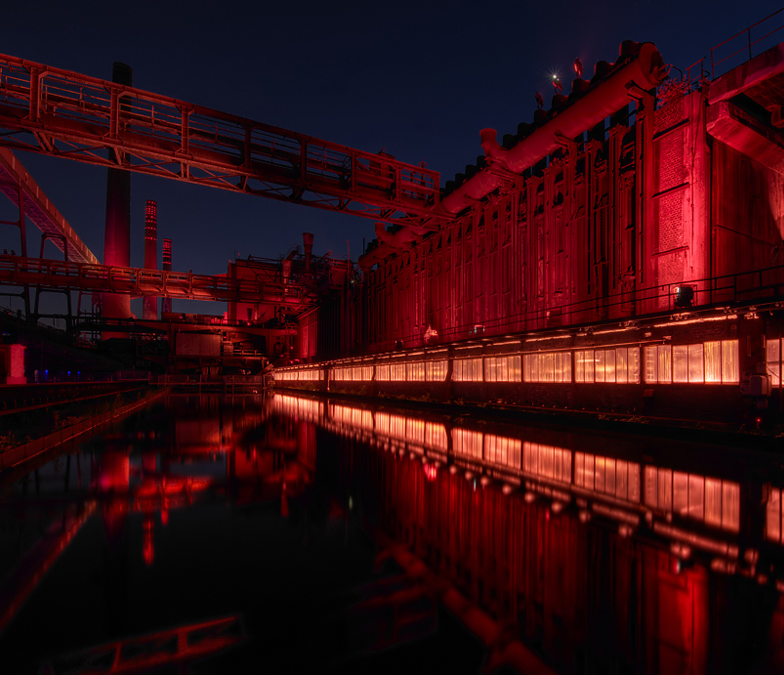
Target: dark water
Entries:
(305, 535)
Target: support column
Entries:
(117, 233)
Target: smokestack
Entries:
(307, 239)
(117, 232)
(150, 303)
(166, 303)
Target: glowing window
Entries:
(415, 371)
(651, 361)
(502, 369)
(680, 363)
(397, 372)
(468, 370)
(773, 361)
(435, 371)
(548, 367)
(712, 362)
(664, 363)
(729, 362)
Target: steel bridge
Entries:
(57, 112)
(62, 275)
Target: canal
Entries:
(294, 534)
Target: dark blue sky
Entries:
(419, 79)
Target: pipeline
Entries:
(639, 65)
(646, 70)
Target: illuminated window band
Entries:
(713, 362)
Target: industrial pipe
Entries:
(646, 70)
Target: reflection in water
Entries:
(583, 552)
(601, 561)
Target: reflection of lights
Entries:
(530, 497)
(751, 556)
(484, 481)
(452, 469)
(585, 516)
(624, 530)
(507, 489)
(557, 507)
(724, 566)
(469, 475)
(148, 546)
(431, 472)
(762, 579)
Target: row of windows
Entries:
(548, 367)
(412, 371)
(467, 370)
(353, 374)
(711, 362)
(714, 362)
(621, 365)
(300, 375)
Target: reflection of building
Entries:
(601, 558)
(658, 495)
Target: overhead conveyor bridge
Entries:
(54, 274)
(62, 113)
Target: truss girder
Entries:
(58, 112)
(59, 275)
(39, 209)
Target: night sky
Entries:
(418, 79)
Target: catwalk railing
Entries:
(756, 286)
(55, 274)
(738, 49)
(62, 113)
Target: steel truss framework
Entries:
(61, 113)
(60, 275)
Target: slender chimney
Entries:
(166, 303)
(117, 233)
(150, 303)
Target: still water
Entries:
(294, 534)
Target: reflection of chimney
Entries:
(150, 303)
(307, 238)
(166, 303)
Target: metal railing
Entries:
(732, 289)
(738, 49)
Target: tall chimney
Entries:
(166, 303)
(307, 239)
(117, 232)
(150, 255)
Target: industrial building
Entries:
(618, 252)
